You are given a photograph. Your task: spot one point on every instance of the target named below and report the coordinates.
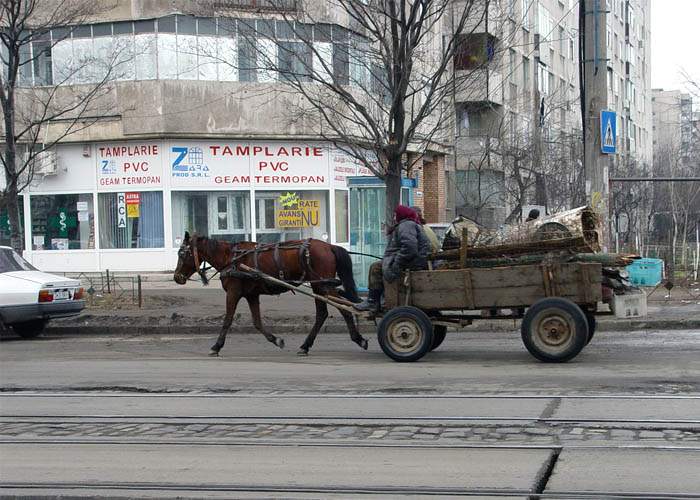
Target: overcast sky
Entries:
(675, 42)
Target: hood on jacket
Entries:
(403, 212)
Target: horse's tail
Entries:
(343, 266)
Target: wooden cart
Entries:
(557, 303)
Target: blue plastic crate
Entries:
(646, 272)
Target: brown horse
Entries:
(313, 261)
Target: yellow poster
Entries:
(132, 211)
(306, 213)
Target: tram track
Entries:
(100, 425)
(349, 490)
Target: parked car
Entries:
(29, 298)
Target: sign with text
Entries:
(248, 164)
(133, 203)
(344, 165)
(121, 210)
(123, 165)
(297, 213)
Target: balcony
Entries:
(479, 85)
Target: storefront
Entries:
(127, 205)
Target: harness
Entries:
(304, 256)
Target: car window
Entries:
(12, 261)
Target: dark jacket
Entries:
(408, 248)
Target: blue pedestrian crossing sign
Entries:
(608, 132)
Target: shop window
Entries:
(291, 215)
(5, 224)
(223, 215)
(342, 234)
(131, 220)
(62, 222)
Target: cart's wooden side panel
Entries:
(513, 286)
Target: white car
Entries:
(29, 298)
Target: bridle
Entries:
(199, 264)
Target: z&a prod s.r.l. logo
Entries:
(189, 162)
(108, 167)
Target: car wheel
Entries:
(29, 329)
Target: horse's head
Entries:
(186, 261)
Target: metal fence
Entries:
(100, 284)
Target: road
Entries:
(154, 417)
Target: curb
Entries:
(341, 328)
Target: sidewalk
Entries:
(193, 308)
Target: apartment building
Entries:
(518, 121)
(195, 134)
(628, 39)
(676, 134)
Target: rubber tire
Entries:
(576, 319)
(439, 333)
(30, 329)
(420, 319)
(590, 317)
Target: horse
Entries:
(311, 260)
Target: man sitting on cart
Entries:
(408, 248)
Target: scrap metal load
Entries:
(571, 236)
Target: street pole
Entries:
(595, 99)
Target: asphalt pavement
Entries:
(151, 416)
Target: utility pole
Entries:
(594, 99)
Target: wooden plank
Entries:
(391, 294)
(468, 289)
(463, 248)
(503, 287)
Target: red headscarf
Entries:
(403, 212)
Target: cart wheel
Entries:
(405, 333)
(590, 317)
(439, 332)
(554, 330)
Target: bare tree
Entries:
(44, 103)
(375, 77)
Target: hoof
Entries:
(279, 343)
(213, 353)
(364, 344)
(303, 352)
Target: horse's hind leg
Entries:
(254, 304)
(232, 299)
(352, 328)
(321, 315)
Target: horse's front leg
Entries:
(232, 298)
(254, 304)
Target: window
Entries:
(291, 215)
(474, 51)
(342, 233)
(480, 188)
(5, 225)
(526, 74)
(525, 10)
(224, 215)
(295, 61)
(131, 220)
(341, 55)
(62, 222)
